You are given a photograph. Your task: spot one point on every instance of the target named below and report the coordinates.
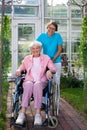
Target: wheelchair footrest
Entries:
(19, 125)
(12, 120)
(12, 123)
(44, 124)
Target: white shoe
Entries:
(20, 119)
(38, 119)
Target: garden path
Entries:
(68, 118)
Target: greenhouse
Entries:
(29, 19)
(63, 73)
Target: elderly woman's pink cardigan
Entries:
(45, 63)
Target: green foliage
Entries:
(5, 86)
(6, 40)
(70, 82)
(83, 57)
(6, 60)
(83, 43)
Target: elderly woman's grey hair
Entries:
(35, 43)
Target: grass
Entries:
(75, 96)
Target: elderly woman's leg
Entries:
(27, 93)
(38, 93)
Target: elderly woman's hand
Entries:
(49, 74)
(18, 73)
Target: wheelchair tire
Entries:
(57, 96)
(16, 109)
(52, 122)
(17, 105)
(54, 100)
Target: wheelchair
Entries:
(50, 106)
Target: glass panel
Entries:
(56, 2)
(25, 11)
(76, 24)
(75, 44)
(25, 7)
(75, 11)
(56, 11)
(26, 34)
(75, 34)
(25, 2)
(74, 57)
(86, 11)
(0, 9)
(7, 10)
(56, 8)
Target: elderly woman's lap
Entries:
(35, 88)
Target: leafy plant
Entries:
(83, 56)
(3, 112)
(6, 61)
(70, 82)
(6, 40)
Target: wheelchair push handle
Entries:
(50, 80)
(20, 79)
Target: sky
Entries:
(57, 2)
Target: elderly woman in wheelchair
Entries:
(36, 80)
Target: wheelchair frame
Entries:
(51, 103)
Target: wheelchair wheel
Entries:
(57, 96)
(16, 108)
(54, 101)
(17, 104)
(52, 122)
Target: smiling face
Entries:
(51, 29)
(36, 50)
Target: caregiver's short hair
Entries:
(36, 43)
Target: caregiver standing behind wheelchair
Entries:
(36, 80)
(52, 46)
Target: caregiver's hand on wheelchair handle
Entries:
(49, 74)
